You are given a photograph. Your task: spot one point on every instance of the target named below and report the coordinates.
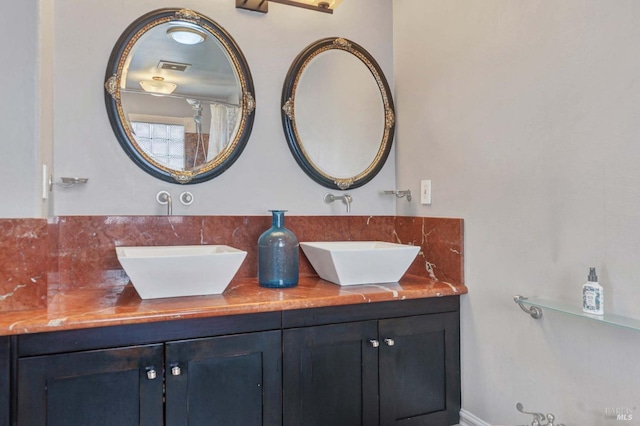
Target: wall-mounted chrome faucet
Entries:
(346, 198)
(163, 197)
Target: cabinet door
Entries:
(331, 375)
(228, 380)
(5, 367)
(98, 388)
(420, 370)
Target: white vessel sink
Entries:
(171, 271)
(359, 262)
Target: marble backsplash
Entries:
(24, 263)
(40, 257)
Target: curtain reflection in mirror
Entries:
(224, 120)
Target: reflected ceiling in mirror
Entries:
(338, 113)
(179, 96)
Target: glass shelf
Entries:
(566, 308)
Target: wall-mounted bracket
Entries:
(534, 311)
(263, 5)
(67, 182)
(539, 419)
(253, 5)
(399, 193)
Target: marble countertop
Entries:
(105, 306)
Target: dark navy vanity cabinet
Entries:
(384, 363)
(5, 369)
(220, 370)
(390, 363)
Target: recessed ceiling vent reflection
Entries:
(186, 35)
(173, 66)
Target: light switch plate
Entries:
(425, 191)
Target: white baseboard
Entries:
(468, 419)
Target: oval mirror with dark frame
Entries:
(337, 113)
(179, 96)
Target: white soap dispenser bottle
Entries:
(592, 295)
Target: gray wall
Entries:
(266, 176)
(19, 161)
(525, 116)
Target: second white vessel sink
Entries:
(172, 271)
(359, 262)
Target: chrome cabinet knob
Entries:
(151, 374)
(374, 343)
(389, 342)
(175, 371)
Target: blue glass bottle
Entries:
(278, 255)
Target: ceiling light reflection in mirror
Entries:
(157, 86)
(186, 35)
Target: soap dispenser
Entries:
(592, 295)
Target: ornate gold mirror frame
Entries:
(291, 127)
(117, 69)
